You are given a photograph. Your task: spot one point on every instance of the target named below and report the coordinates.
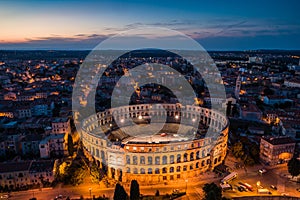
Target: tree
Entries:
(120, 193)
(237, 150)
(70, 145)
(157, 193)
(294, 166)
(212, 191)
(134, 190)
(229, 108)
(96, 174)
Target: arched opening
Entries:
(156, 171)
(157, 160)
(128, 160)
(185, 157)
(164, 161)
(197, 155)
(149, 160)
(171, 169)
(142, 160)
(171, 159)
(192, 156)
(134, 160)
(164, 170)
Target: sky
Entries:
(215, 24)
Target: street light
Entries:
(90, 189)
(258, 185)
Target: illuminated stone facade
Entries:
(161, 157)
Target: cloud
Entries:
(197, 29)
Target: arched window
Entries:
(142, 160)
(128, 170)
(185, 157)
(164, 170)
(192, 156)
(197, 155)
(203, 163)
(164, 161)
(171, 159)
(157, 160)
(149, 170)
(178, 169)
(149, 160)
(127, 159)
(184, 168)
(142, 171)
(156, 171)
(197, 165)
(191, 166)
(134, 160)
(203, 153)
(178, 158)
(171, 169)
(135, 170)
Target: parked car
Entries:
(262, 171)
(273, 187)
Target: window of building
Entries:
(127, 159)
(171, 159)
(134, 160)
(142, 160)
(165, 160)
(157, 160)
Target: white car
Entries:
(5, 196)
(262, 171)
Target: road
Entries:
(273, 176)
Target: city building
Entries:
(18, 175)
(61, 125)
(30, 145)
(54, 145)
(250, 112)
(295, 83)
(275, 150)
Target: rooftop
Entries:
(279, 140)
(14, 166)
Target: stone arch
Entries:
(192, 156)
(164, 160)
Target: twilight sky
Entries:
(215, 24)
